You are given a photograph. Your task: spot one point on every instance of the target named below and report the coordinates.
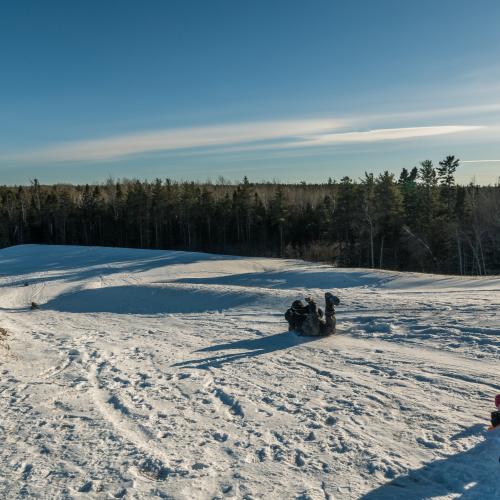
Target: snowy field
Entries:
(151, 374)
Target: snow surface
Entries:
(171, 374)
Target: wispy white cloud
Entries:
(292, 134)
(482, 110)
(180, 138)
(339, 138)
(387, 134)
(479, 161)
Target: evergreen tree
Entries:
(446, 176)
(389, 210)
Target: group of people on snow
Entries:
(308, 319)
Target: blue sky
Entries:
(282, 90)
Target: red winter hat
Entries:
(497, 400)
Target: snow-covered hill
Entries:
(172, 375)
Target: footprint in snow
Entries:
(299, 458)
(199, 466)
(220, 437)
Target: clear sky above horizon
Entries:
(283, 90)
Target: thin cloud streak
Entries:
(389, 134)
(273, 135)
(479, 161)
(480, 109)
(341, 138)
(182, 138)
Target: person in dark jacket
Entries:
(309, 320)
(296, 315)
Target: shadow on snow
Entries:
(472, 474)
(326, 278)
(76, 263)
(251, 347)
(136, 299)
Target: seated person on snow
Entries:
(309, 319)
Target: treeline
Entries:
(419, 221)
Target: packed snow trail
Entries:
(171, 375)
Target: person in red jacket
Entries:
(495, 415)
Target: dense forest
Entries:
(419, 221)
